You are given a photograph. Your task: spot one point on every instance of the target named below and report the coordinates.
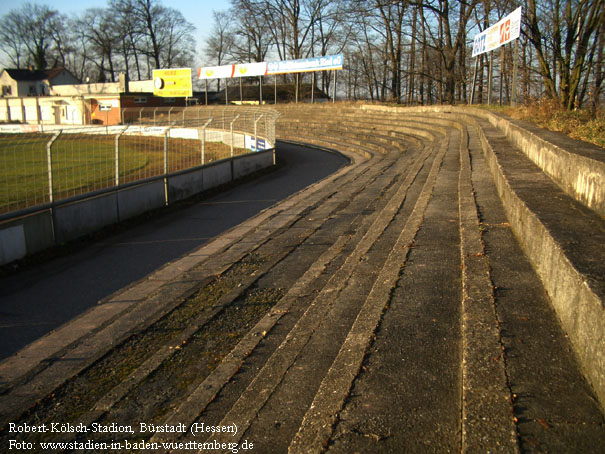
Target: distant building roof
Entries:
(32, 75)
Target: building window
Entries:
(169, 100)
(140, 100)
(7, 90)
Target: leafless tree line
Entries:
(419, 52)
(403, 51)
(130, 36)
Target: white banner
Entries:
(324, 63)
(250, 69)
(216, 72)
(504, 31)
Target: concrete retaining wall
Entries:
(577, 305)
(580, 173)
(67, 221)
(579, 169)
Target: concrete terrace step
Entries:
(566, 243)
(388, 308)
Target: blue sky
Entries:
(198, 12)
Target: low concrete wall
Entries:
(577, 305)
(26, 235)
(256, 162)
(185, 185)
(89, 215)
(141, 198)
(217, 173)
(578, 169)
(580, 175)
(67, 221)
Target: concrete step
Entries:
(539, 357)
(388, 308)
(564, 240)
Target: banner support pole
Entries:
(515, 58)
(334, 89)
(489, 78)
(474, 80)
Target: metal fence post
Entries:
(233, 121)
(49, 165)
(204, 141)
(117, 156)
(255, 132)
(166, 163)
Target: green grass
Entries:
(79, 165)
(85, 163)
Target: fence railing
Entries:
(62, 162)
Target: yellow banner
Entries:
(172, 83)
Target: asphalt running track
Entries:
(38, 299)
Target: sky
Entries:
(198, 12)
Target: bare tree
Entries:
(566, 29)
(251, 39)
(98, 28)
(221, 40)
(13, 44)
(166, 36)
(28, 35)
(452, 19)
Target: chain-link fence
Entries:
(249, 120)
(62, 162)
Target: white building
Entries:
(28, 82)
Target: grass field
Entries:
(82, 163)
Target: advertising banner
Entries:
(172, 83)
(216, 72)
(324, 63)
(250, 144)
(505, 30)
(250, 69)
